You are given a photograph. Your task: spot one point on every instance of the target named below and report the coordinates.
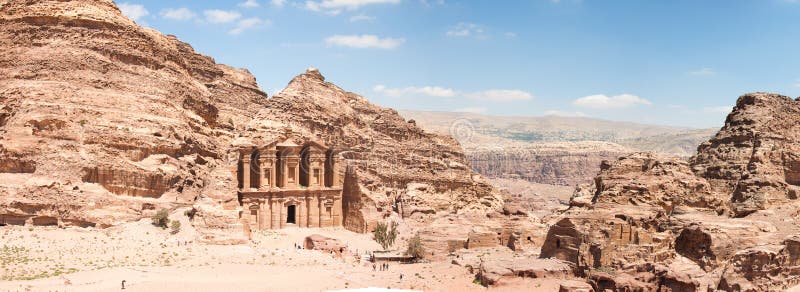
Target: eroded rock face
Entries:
(491, 272)
(724, 221)
(113, 116)
(552, 163)
(754, 156)
(653, 180)
(322, 243)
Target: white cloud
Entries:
(510, 34)
(221, 16)
(133, 11)
(434, 91)
(335, 7)
(718, 109)
(474, 110)
(178, 13)
(364, 41)
(431, 2)
(278, 3)
(559, 113)
(249, 4)
(465, 29)
(601, 101)
(703, 72)
(248, 23)
(361, 17)
(500, 95)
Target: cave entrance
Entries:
(290, 214)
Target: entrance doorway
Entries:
(290, 214)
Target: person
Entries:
(373, 267)
(401, 276)
(123, 284)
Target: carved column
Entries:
(246, 173)
(280, 214)
(263, 176)
(273, 212)
(300, 214)
(273, 168)
(337, 211)
(319, 211)
(337, 172)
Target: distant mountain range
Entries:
(553, 149)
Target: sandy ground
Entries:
(151, 259)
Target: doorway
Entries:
(290, 214)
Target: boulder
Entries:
(322, 243)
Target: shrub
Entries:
(161, 218)
(175, 226)
(415, 248)
(190, 213)
(385, 234)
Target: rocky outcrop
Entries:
(723, 221)
(322, 243)
(646, 179)
(753, 158)
(490, 272)
(114, 116)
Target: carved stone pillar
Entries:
(246, 173)
(338, 175)
(280, 214)
(319, 211)
(263, 176)
(337, 211)
(274, 216)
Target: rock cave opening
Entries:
(290, 212)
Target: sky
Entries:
(678, 62)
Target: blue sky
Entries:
(678, 62)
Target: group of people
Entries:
(384, 267)
(298, 246)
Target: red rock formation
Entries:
(99, 116)
(651, 222)
(754, 156)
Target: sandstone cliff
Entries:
(725, 220)
(551, 149)
(103, 121)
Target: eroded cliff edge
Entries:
(726, 220)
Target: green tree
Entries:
(385, 234)
(161, 218)
(175, 226)
(415, 248)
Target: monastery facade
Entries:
(284, 184)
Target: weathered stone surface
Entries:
(322, 243)
(764, 268)
(719, 222)
(654, 180)
(482, 237)
(493, 270)
(753, 158)
(552, 163)
(574, 286)
(99, 116)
